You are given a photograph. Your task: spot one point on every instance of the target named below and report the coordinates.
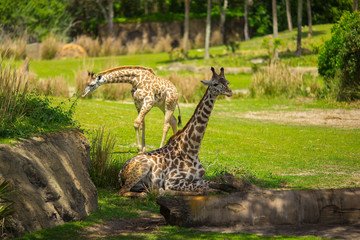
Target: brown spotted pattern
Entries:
(148, 91)
(176, 166)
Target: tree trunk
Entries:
(108, 15)
(111, 18)
(309, 17)
(299, 18)
(186, 28)
(208, 31)
(246, 21)
(222, 19)
(355, 5)
(275, 27)
(288, 14)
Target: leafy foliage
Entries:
(6, 205)
(339, 58)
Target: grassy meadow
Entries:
(270, 154)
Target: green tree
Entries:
(339, 58)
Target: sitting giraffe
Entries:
(148, 90)
(176, 166)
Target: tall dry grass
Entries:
(189, 87)
(13, 90)
(278, 80)
(57, 87)
(91, 46)
(104, 168)
(163, 44)
(49, 47)
(13, 48)
(112, 47)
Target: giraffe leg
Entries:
(173, 124)
(143, 137)
(132, 174)
(137, 123)
(168, 115)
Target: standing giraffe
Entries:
(148, 91)
(176, 166)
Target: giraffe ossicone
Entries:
(176, 166)
(148, 91)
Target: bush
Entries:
(339, 58)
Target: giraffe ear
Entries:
(222, 71)
(207, 83)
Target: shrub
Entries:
(279, 80)
(339, 58)
(49, 47)
(104, 168)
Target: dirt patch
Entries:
(151, 224)
(349, 119)
(145, 224)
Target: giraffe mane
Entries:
(127, 67)
(183, 129)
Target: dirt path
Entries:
(349, 119)
(151, 224)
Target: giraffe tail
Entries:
(179, 117)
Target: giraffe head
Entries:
(218, 85)
(93, 83)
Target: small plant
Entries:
(177, 54)
(6, 205)
(339, 58)
(271, 44)
(233, 46)
(105, 168)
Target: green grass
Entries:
(274, 155)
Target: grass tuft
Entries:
(104, 167)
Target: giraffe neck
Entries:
(126, 75)
(194, 130)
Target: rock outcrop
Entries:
(49, 175)
(264, 207)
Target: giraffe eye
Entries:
(215, 85)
